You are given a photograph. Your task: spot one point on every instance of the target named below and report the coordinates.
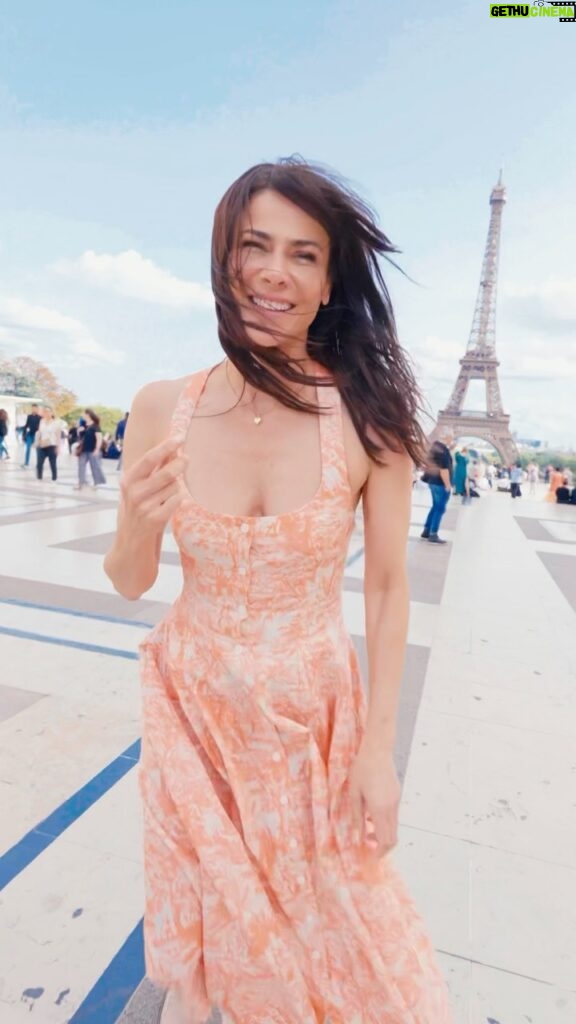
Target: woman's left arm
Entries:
(98, 443)
(386, 502)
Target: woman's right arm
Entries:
(150, 492)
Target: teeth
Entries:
(277, 307)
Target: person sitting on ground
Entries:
(563, 493)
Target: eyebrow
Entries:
(294, 241)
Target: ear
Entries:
(326, 291)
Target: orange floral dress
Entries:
(258, 900)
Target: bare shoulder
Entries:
(361, 468)
(150, 416)
(154, 404)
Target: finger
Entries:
(162, 513)
(159, 498)
(167, 473)
(155, 458)
(387, 833)
(139, 489)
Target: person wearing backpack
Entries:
(438, 476)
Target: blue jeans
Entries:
(28, 442)
(440, 498)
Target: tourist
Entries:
(4, 426)
(516, 478)
(461, 488)
(533, 476)
(89, 451)
(270, 793)
(48, 438)
(119, 437)
(121, 428)
(555, 481)
(438, 476)
(29, 432)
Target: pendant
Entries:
(257, 420)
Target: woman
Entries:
(270, 793)
(89, 455)
(554, 482)
(4, 424)
(48, 438)
(461, 475)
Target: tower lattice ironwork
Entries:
(479, 361)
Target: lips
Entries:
(271, 305)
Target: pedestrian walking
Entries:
(533, 476)
(438, 476)
(4, 426)
(119, 437)
(29, 432)
(90, 444)
(270, 794)
(48, 438)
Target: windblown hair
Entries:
(353, 337)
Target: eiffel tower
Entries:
(479, 361)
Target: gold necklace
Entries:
(257, 417)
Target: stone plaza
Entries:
(485, 750)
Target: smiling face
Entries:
(281, 270)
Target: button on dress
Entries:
(258, 899)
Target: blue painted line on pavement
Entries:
(15, 602)
(21, 855)
(109, 996)
(23, 634)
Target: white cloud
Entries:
(47, 332)
(538, 357)
(131, 274)
(556, 297)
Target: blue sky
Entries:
(121, 125)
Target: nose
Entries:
(274, 273)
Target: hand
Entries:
(153, 488)
(375, 791)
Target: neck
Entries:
(239, 384)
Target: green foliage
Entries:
(550, 458)
(109, 417)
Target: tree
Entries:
(108, 417)
(24, 376)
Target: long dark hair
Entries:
(354, 336)
(94, 417)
